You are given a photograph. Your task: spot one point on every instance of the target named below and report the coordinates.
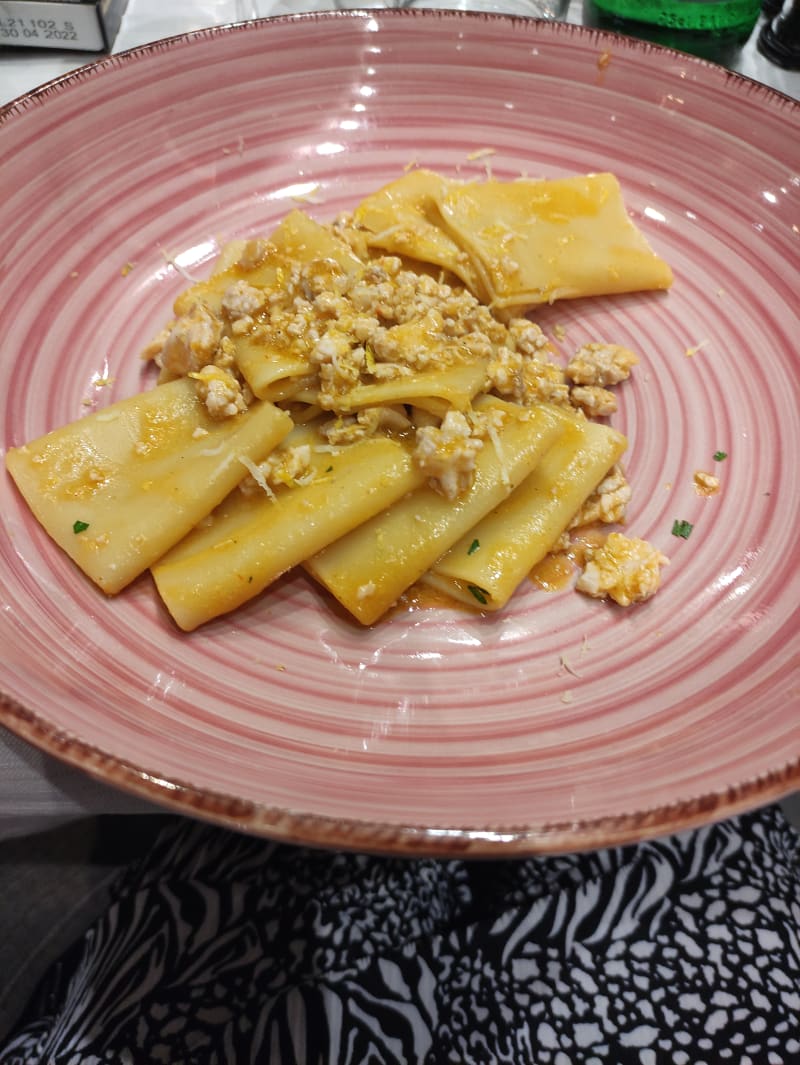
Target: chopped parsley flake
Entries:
(479, 593)
(80, 526)
(720, 456)
(682, 529)
(473, 547)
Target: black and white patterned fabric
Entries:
(219, 948)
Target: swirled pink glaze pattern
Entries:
(563, 722)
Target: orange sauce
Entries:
(553, 573)
(586, 538)
(422, 597)
(556, 570)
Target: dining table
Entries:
(37, 791)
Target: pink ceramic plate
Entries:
(563, 722)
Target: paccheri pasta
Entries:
(367, 400)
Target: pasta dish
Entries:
(369, 399)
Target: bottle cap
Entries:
(779, 40)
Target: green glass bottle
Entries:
(714, 29)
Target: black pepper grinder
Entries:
(779, 39)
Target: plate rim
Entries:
(381, 837)
(94, 67)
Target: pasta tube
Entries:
(251, 540)
(267, 263)
(370, 568)
(491, 560)
(264, 363)
(268, 355)
(433, 390)
(239, 299)
(118, 488)
(534, 242)
(403, 218)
